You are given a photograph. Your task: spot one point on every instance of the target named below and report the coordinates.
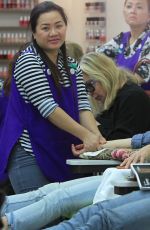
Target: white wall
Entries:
(76, 15)
(115, 19)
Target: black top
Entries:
(129, 114)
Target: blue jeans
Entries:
(36, 209)
(128, 212)
(24, 172)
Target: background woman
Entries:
(131, 49)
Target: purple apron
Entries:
(130, 63)
(51, 145)
(3, 107)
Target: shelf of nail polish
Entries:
(14, 33)
(95, 24)
(9, 38)
(7, 54)
(17, 4)
(96, 6)
(3, 72)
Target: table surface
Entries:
(92, 162)
(126, 183)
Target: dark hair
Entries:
(7, 80)
(2, 198)
(45, 7)
(41, 8)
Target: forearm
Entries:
(120, 143)
(88, 121)
(63, 121)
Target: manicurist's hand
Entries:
(90, 144)
(102, 141)
(91, 141)
(77, 149)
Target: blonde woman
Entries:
(122, 107)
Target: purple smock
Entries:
(131, 62)
(51, 145)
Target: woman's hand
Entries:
(90, 144)
(77, 149)
(91, 141)
(81, 148)
(141, 156)
(102, 141)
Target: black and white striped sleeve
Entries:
(33, 85)
(83, 102)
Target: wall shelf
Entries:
(95, 24)
(12, 10)
(14, 32)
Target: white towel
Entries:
(106, 188)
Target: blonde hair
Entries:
(74, 50)
(102, 69)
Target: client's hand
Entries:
(102, 140)
(141, 156)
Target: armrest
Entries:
(125, 186)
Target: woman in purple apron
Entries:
(132, 49)
(3, 106)
(48, 109)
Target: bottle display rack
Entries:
(95, 24)
(14, 32)
(16, 4)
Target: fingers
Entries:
(124, 163)
(74, 151)
(120, 167)
(77, 149)
(142, 159)
(134, 158)
(100, 147)
(102, 140)
(91, 148)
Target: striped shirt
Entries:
(35, 89)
